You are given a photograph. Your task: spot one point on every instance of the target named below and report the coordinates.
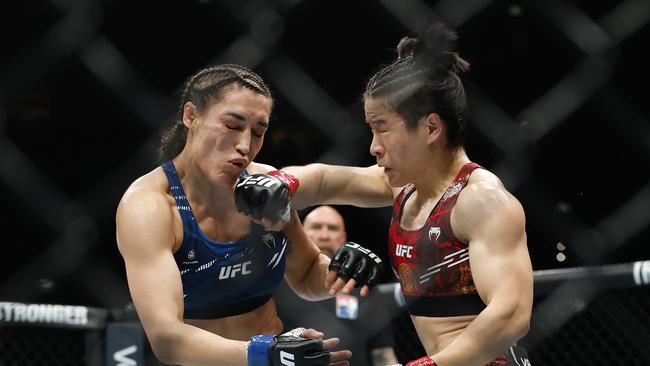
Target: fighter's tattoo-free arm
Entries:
(494, 224)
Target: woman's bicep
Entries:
(145, 240)
(498, 249)
(155, 287)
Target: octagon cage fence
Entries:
(558, 109)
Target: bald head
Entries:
(325, 227)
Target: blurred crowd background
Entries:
(559, 109)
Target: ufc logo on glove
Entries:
(260, 180)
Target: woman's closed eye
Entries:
(234, 126)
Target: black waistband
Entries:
(217, 309)
(456, 305)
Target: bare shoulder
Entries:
(485, 198)
(149, 189)
(145, 208)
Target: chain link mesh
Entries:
(614, 329)
(31, 346)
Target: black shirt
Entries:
(361, 324)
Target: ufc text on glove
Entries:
(352, 260)
(266, 195)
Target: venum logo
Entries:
(434, 231)
(233, 270)
(269, 240)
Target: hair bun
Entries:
(405, 47)
(434, 46)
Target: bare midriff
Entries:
(436, 333)
(263, 320)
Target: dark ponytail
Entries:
(424, 79)
(202, 89)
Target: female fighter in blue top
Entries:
(200, 273)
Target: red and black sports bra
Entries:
(431, 263)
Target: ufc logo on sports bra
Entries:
(261, 180)
(232, 270)
(402, 250)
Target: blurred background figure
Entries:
(362, 323)
(326, 227)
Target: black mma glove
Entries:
(266, 195)
(352, 260)
(289, 348)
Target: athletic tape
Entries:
(258, 350)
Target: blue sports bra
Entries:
(224, 279)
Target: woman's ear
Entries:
(190, 113)
(434, 126)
